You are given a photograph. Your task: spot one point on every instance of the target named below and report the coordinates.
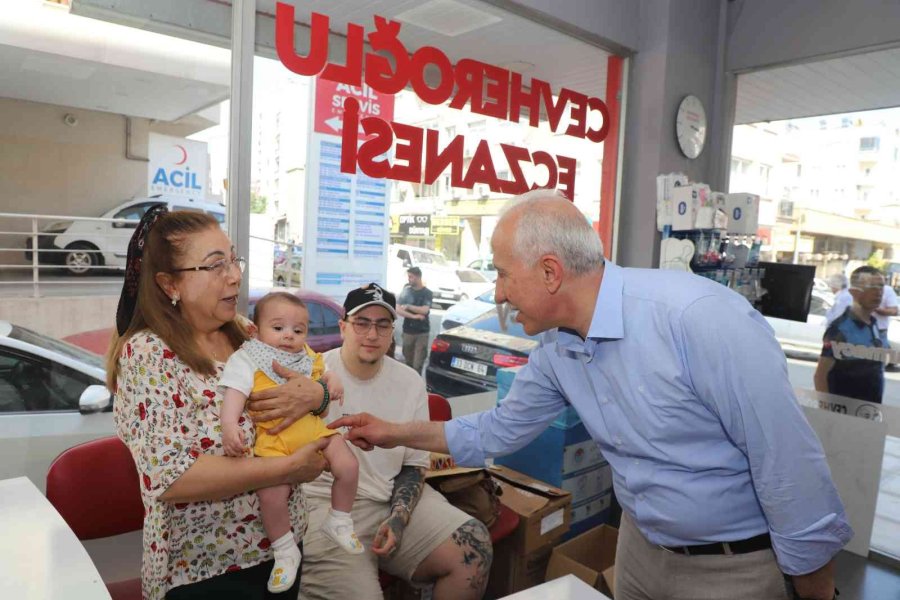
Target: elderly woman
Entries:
(177, 325)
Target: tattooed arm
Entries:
(407, 490)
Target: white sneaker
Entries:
(340, 531)
(284, 573)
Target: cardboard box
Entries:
(591, 557)
(545, 512)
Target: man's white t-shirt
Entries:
(888, 300)
(396, 394)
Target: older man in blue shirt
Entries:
(725, 489)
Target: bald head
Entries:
(544, 222)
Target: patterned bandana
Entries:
(128, 297)
(263, 354)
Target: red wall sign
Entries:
(330, 95)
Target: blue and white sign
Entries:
(177, 167)
(347, 220)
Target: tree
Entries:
(258, 203)
(877, 260)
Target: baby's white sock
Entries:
(287, 562)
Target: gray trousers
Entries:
(645, 571)
(415, 349)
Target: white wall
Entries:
(772, 32)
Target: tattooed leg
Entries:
(460, 566)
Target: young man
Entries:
(855, 349)
(415, 304)
(411, 530)
(723, 484)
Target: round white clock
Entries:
(690, 126)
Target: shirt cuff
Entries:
(808, 550)
(464, 441)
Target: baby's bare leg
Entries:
(345, 469)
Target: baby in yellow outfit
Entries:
(282, 321)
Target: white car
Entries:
(52, 397)
(485, 266)
(463, 312)
(82, 245)
(804, 339)
(448, 283)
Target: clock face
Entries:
(690, 126)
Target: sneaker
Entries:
(340, 531)
(284, 573)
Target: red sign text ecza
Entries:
(487, 89)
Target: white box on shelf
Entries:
(743, 213)
(686, 203)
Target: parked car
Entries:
(52, 396)
(465, 359)
(289, 272)
(80, 245)
(485, 266)
(803, 340)
(438, 274)
(463, 312)
(324, 331)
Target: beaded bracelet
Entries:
(326, 399)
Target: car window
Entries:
(34, 384)
(488, 296)
(476, 264)
(190, 208)
(48, 343)
(316, 318)
(818, 306)
(134, 212)
(427, 258)
(403, 255)
(331, 321)
(471, 276)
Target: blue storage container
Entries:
(564, 455)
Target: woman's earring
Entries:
(175, 300)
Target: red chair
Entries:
(508, 520)
(95, 487)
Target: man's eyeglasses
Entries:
(219, 267)
(384, 327)
(867, 288)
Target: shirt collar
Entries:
(607, 322)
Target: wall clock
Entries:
(690, 126)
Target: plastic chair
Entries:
(96, 489)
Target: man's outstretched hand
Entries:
(366, 431)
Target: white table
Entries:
(40, 557)
(567, 587)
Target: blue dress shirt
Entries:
(685, 389)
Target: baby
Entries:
(282, 321)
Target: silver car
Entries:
(52, 397)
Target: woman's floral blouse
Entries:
(168, 415)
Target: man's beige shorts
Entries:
(329, 572)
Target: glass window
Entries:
(48, 343)
(316, 318)
(134, 212)
(471, 276)
(331, 319)
(32, 384)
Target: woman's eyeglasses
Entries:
(219, 267)
(382, 326)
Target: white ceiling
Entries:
(839, 85)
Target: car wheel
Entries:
(279, 281)
(81, 258)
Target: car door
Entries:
(117, 235)
(324, 331)
(39, 415)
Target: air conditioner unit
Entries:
(455, 193)
(483, 190)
